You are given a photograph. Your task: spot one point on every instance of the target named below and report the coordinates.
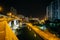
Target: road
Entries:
(25, 34)
(44, 34)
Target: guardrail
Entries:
(46, 35)
(6, 32)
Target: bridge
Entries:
(6, 32)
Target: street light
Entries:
(9, 13)
(1, 9)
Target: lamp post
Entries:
(1, 8)
(9, 14)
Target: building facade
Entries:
(53, 10)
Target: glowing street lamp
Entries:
(9, 13)
(1, 8)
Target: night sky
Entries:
(35, 8)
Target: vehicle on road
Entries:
(37, 23)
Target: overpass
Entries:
(46, 35)
(7, 34)
(5, 31)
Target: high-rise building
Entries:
(53, 10)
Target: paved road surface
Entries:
(25, 34)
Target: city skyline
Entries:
(28, 8)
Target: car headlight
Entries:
(43, 27)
